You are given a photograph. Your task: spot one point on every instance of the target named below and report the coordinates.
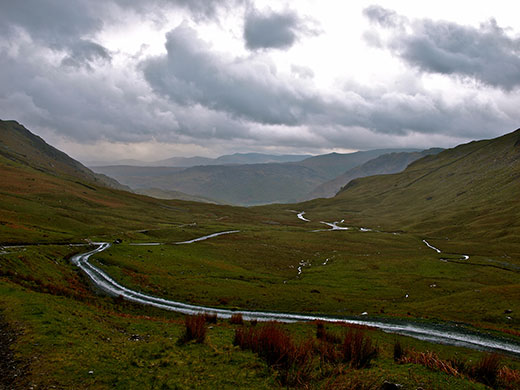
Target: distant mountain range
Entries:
(245, 184)
(470, 191)
(236, 158)
(382, 165)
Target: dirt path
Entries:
(12, 371)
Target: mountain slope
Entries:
(334, 164)
(468, 191)
(46, 196)
(247, 184)
(163, 194)
(382, 165)
(244, 184)
(20, 145)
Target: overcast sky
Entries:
(117, 79)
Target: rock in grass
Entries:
(391, 386)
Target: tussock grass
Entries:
(195, 329)
(430, 360)
(508, 378)
(358, 349)
(278, 349)
(486, 370)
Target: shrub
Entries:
(236, 319)
(486, 369)
(357, 349)
(195, 329)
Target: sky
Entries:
(106, 80)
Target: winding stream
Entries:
(437, 333)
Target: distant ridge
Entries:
(186, 162)
(384, 164)
(244, 184)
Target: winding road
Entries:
(443, 334)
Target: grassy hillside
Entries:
(469, 191)
(162, 194)
(67, 336)
(18, 144)
(382, 165)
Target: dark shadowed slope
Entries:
(20, 145)
(382, 165)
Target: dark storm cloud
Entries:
(273, 30)
(190, 73)
(60, 79)
(248, 89)
(487, 54)
(61, 23)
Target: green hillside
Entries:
(56, 331)
(470, 191)
(18, 144)
(382, 165)
(163, 194)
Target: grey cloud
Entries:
(487, 54)
(302, 71)
(384, 17)
(273, 30)
(57, 23)
(200, 9)
(246, 88)
(85, 53)
(60, 24)
(193, 95)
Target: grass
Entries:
(372, 272)
(195, 329)
(67, 330)
(358, 350)
(64, 339)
